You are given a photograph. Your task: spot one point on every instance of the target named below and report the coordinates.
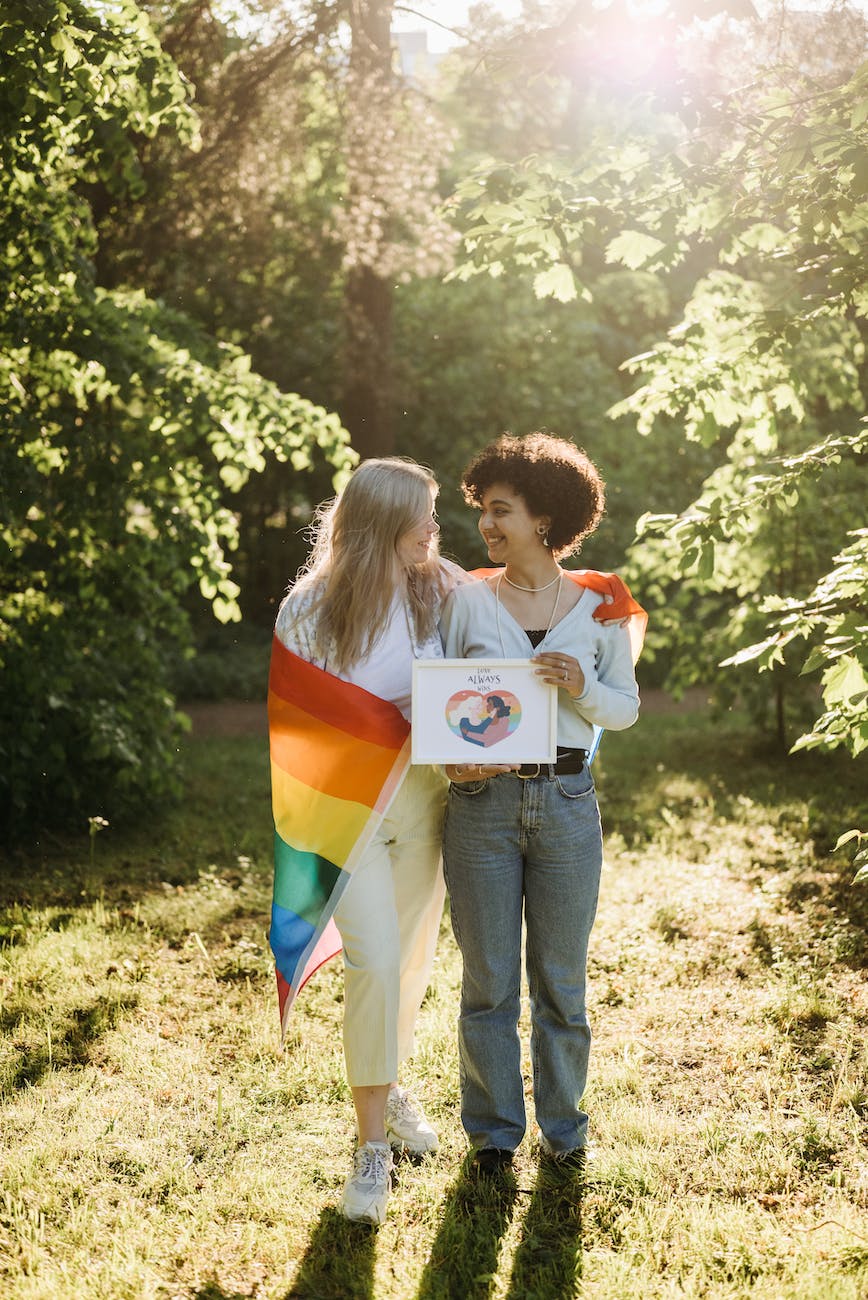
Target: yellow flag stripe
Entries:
(314, 822)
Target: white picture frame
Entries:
(482, 710)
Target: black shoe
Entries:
(490, 1162)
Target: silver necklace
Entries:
(497, 609)
(519, 587)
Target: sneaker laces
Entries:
(404, 1104)
(372, 1165)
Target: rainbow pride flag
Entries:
(338, 755)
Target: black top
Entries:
(535, 635)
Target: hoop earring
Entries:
(543, 533)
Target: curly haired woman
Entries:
(528, 842)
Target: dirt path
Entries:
(227, 717)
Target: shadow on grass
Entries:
(548, 1261)
(338, 1263)
(70, 1044)
(464, 1254)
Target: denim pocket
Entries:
(467, 789)
(579, 785)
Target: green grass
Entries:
(157, 1144)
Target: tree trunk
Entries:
(781, 715)
(366, 404)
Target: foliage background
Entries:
(208, 242)
(234, 238)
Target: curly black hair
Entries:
(551, 475)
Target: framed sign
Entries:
(482, 710)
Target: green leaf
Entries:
(705, 568)
(844, 681)
(65, 46)
(633, 248)
(811, 740)
(557, 282)
(847, 837)
(790, 159)
(707, 430)
(860, 174)
(749, 652)
(818, 656)
(859, 113)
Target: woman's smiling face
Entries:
(508, 528)
(414, 546)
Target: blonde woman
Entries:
(366, 605)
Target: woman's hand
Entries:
(562, 671)
(613, 622)
(463, 772)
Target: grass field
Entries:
(156, 1144)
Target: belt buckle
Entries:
(528, 776)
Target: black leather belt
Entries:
(569, 763)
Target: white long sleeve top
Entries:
(610, 699)
(388, 670)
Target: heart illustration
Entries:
(481, 719)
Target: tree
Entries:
(475, 356)
(765, 188)
(474, 359)
(123, 426)
(313, 195)
(770, 362)
(367, 387)
(388, 222)
(239, 236)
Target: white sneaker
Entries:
(406, 1124)
(366, 1191)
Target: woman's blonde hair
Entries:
(353, 572)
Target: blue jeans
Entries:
(510, 843)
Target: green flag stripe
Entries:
(303, 882)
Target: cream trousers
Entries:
(389, 917)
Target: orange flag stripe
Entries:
(356, 769)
